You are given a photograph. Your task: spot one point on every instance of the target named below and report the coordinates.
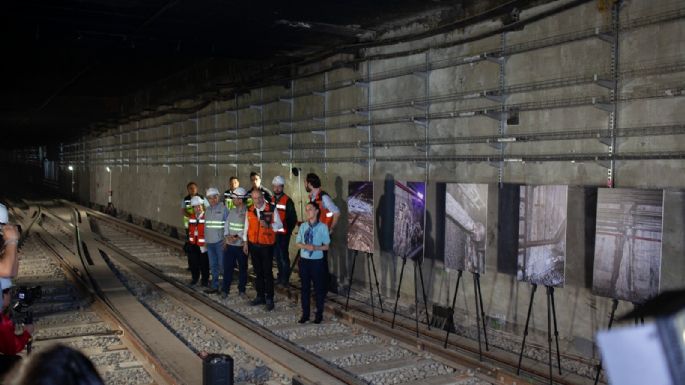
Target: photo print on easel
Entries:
(360, 216)
(543, 211)
(628, 244)
(465, 226)
(410, 213)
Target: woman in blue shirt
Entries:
(313, 239)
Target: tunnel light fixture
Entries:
(70, 168)
(108, 169)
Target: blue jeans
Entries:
(313, 270)
(282, 257)
(215, 252)
(233, 255)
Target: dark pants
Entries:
(262, 262)
(186, 248)
(313, 270)
(199, 264)
(282, 257)
(233, 255)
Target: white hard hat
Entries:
(238, 193)
(4, 216)
(278, 180)
(5, 283)
(197, 201)
(212, 191)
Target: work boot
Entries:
(269, 304)
(257, 301)
(211, 290)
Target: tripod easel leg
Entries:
(397, 296)
(525, 330)
(373, 308)
(614, 306)
(454, 302)
(349, 286)
(556, 331)
(549, 334)
(475, 293)
(425, 300)
(378, 286)
(416, 303)
(482, 311)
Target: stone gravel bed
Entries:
(62, 316)
(194, 332)
(113, 358)
(89, 342)
(355, 359)
(409, 373)
(312, 330)
(355, 340)
(127, 376)
(79, 317)
(73, 330)
(278, 320)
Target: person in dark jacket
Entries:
(286, 209)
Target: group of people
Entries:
(259, 222)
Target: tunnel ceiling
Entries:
(70, 65)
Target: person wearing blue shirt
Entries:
(312, 240)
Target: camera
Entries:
(25, 298)
(27, 295)
(265, 216)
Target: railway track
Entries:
(269, 347)
(188, 323)
(372, 356)
(69, 314)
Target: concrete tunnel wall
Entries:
(541, 73)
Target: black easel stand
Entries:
(416, 300)
(551, 314)
(370, 265)
(614, 305)
(480, 314)
(640, 319)
(454, 302)
(397, 296)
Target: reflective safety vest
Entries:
(325, 216)
(196, 230)
(228, 200)
(189, 209)
(235, 228)
(280, 205)
(257, 234)
(215, 224)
